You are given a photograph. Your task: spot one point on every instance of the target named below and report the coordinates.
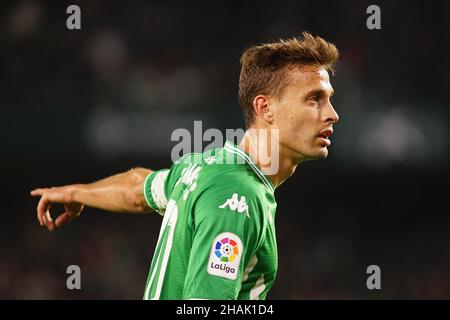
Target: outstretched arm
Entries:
(122, 192)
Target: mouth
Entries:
(324, 137)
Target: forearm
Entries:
(122, 192)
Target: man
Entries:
(217, 238)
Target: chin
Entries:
(321, 154)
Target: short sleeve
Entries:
(228, 227)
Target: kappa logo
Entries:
(236, 205)
(225, 256)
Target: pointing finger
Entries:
(37, 192)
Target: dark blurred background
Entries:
(77, 106)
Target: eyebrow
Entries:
(318, 92)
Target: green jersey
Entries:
(217, 237)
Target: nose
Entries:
(332, 115)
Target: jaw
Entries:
(317, 154)
(305, 152)
(321, 152)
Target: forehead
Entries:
(309, 78)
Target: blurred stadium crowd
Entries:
(79, 105)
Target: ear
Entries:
(262, 108)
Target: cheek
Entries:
(292, 117)
(295, 122)
(301, 132)
(300, 123)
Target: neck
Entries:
(268, 155)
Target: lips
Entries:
(324, 135)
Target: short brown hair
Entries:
(263, 66)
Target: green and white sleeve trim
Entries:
(154, 190)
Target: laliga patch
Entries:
(225, 257)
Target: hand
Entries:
(61, 195)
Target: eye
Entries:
(314, 98)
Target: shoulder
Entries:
(231, 178)
(232, 191)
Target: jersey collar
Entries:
(232, 148)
